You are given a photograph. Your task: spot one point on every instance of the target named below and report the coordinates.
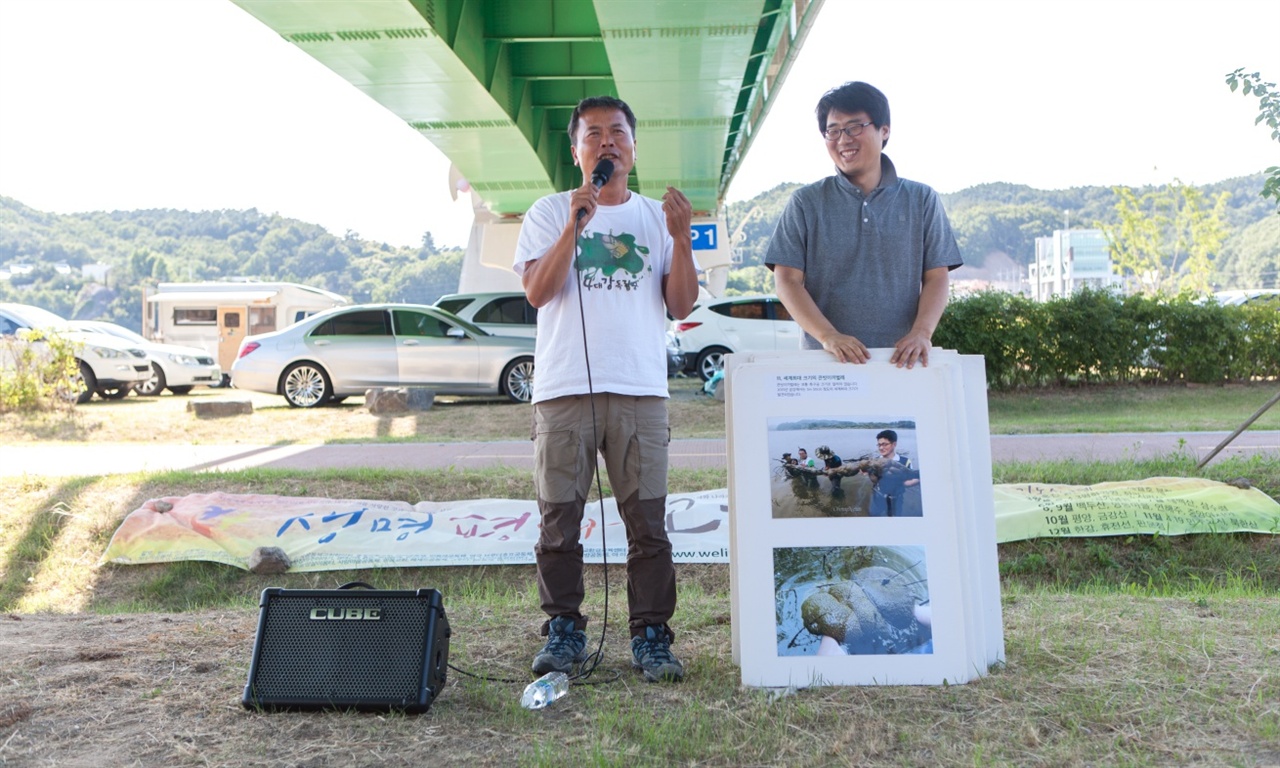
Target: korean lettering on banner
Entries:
(403, 526)
(1128, 510)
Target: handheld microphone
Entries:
(599, 177)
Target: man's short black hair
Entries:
(597, 102)
(851, 98)
(889, 435)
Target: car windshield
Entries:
(473, 330)
(36, 317)
(452, 305)
(111, 329)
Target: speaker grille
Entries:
(325, 648)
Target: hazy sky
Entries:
(124, 104)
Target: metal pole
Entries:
(1236, 434)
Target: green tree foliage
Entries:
(749, 280)
(1167, 238)
(988, 228)
(1268, 112)
(998, 217)
(1251, 259)
(752, 223)
(37, 373)
(144, 248)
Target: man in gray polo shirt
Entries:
(860, 259)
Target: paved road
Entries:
(120, 458)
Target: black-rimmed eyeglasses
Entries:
(853, 131)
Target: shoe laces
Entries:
(562, 635)
(654, 646)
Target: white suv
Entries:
(174, 367)
(717, 327)
(509, 313)
(506, 313)
(109, 367)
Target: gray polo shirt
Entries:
(864, 256)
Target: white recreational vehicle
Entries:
(217, 316)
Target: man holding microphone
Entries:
(604, 266)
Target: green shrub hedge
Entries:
(38, 373)
(1099, 337)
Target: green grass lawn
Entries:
(1133, 409)
(1125, 650)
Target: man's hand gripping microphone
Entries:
(599, 177)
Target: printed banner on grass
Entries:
(1169, 506)
(333, 534)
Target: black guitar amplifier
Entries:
(370, 650)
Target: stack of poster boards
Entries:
(862, 526)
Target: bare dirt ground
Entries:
(164, 690)
(1163, 681)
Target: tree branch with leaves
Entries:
(1168, 238)
(1269, 113)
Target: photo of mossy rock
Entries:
(833, 601)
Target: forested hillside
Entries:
(1007, 218)
(150, 246)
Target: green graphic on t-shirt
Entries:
(606, 254)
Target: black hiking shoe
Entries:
(651, 654)
(566, 646)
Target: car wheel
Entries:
(222, 383)
(710, 360)
(517, 380)
(181, 390)
(305, 385)
(113, 393)
(153, 386)
(85, 384)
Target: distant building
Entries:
(998, 272)
(1070, 260)
(96, 272)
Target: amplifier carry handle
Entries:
(354, 584)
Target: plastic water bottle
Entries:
(546, 689)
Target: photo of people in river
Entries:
(836, 601)
(844, 467)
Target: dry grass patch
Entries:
(165, 419)
(1090, 680)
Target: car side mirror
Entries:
(455, 332)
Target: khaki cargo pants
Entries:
(633, 435)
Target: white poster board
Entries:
(866, 568)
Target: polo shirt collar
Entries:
(888, 176)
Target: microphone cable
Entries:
(587, 666)
(593, 659)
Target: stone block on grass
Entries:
(387, 401)
(269, 560)
(215, 409)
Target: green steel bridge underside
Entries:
(492, 83)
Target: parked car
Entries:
(344, 351)
(509, 313)
(504, 313)
(107, 366)
(173, 366)
(675, 355)
(717, 327)
(1249, 296)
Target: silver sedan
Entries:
(346, 350)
